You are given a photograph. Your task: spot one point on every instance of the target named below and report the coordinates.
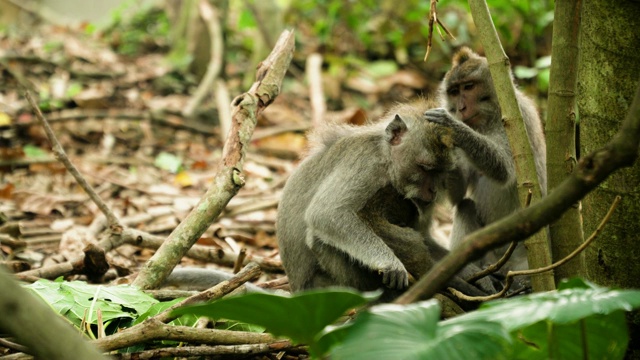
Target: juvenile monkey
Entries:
(355, 211)
(483, 186)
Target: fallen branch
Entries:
(203, 351)
(230, 179)
(155, 328)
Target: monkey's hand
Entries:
(394, 276)
(442, 117)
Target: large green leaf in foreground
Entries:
(299, 317)
(582, 322)
(412, 332)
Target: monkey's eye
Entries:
(485, 98)
(453, 91)
(468, 86)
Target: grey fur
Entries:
(483, 187)
(357, 211)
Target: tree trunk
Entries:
(538, 247)
(608, 78)
(566, 233)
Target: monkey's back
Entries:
(357, 148)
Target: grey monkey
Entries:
(482, 187)
(357, 210)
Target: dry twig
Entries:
(433, 18)
(60, 154)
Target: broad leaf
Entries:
(585, 321)
(412, 332)
(299, 317)
(596, 337)
(75, 298)
(560, 307)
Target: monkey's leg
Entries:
(465, 221)
(414, 252)
(338, 269)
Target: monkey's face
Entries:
(468, 90)
(419, 163)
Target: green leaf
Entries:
(523, 72)
(246, 20)
(560, 307)
(155, 309)
(238, 326)
(543, 62)
(299, 317)
(169, 162)
(381, 68)
(74, 89)
(543, 80)
(596, 337)
(562, 324)
(33, 151)
(576, 283)
(331, 336)
(77, 300)
(412, 332)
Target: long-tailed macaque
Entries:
(356, 212)
(483, 186)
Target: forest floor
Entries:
(119, 120)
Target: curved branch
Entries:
(621, 151)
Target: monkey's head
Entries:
(468, 91)
(421, 154)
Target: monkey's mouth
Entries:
(470, 119)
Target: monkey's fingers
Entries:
(395, 279)
(439, 116)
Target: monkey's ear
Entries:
(463, 55)
(395, 130)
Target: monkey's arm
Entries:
(418, 253)
(491, 158)
(457, 184)
(332, 217)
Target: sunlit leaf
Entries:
(523, 72)
(5, 119)
(74, 299)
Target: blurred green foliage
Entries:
(351, 34)
(147, 30)
(381, 28)
(398, 30)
